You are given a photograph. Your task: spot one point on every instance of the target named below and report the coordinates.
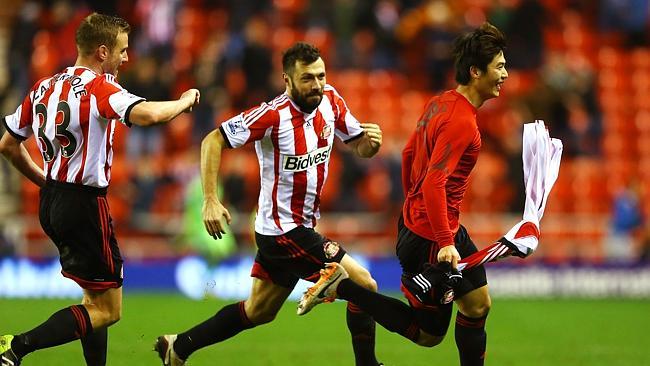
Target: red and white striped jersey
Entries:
(73, 116)
(293, 149)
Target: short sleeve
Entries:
(347, 127)
(248, 126)
(19, 124)
(113, 101)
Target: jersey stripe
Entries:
(63, 97)
(26, 111)
(321, 170)
(45, 100)
(276, 171)
(107, 162)
(341, 112)
(299, 178)
(255, 114)
(84, 121)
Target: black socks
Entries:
(391, 313)
(362, 329)
(64, 326)
(471, 339)
(229, 321)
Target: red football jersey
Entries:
(436, 164)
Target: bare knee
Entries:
(259, 313)
(102, 317)
(104, 306)
(110, 316)
(364, 279)
(370, 284)
(114, 316)
(358, 274)
(428, 340)
(477, 309)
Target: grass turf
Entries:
(520, 332)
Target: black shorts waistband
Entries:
(76, 187)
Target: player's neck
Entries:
(89, 64)
(471, 94)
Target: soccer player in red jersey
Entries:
(437, 161)
(293, 136)
(73, 116)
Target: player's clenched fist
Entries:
(373, 131)
(215, 217)
(192, 96)
(449, 254)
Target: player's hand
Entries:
(373, 131)
(215, 217)
(192, 97)
(449, 254)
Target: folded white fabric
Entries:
(541, 155)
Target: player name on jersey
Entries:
(77, 85)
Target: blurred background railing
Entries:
(582, 66)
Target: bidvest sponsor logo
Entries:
(299, 163)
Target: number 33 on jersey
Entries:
(73, 115)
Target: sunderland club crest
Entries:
(447, 297)
(326, 132)
(331, 249)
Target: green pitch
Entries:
(520, 332)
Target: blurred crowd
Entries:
(386, 57)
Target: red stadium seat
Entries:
(322, 39)
(589, 187)
(614, 80)
(640, 58)
(285, 37)
(612, 57)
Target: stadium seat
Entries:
(611, 58)
(640, 58)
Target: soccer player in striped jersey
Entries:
(436, 164)
(73, 116)
(293, 136)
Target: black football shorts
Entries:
(77, 219)
(300, 253)
(413, 252)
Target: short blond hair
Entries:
(99, 29)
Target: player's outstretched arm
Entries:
(151, 113)
(368, 145)
(215, 215)
(14, 151)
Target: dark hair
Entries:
(99, 29)
(477, 48)
(303, 52)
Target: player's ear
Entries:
(102, 52)
(475, 72)
(287, 80)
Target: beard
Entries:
(307, 103)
